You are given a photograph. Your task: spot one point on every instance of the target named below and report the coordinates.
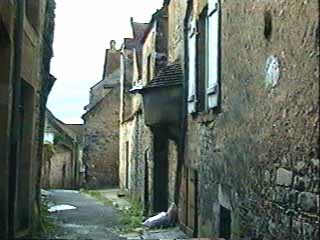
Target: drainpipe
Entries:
(16, 117)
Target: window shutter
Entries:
(192, 66)
(213, 53)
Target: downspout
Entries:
(16, 118)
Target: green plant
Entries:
(46, 226)
(132, 218)
(97, 195)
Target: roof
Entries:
(92, 108)
(168, 76)
(61, 126)
(130, 43)
(138, 29)
(159, 13)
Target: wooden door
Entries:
(192, 201)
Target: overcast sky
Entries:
(83, 31)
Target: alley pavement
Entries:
(87, 218)
(90, 220)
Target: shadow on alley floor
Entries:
(94, 219)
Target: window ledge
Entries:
(206, 116)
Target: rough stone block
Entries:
(284, 177)
(308, 201)
(307, 231)
(281, 195)
(299, 183)
(300, 166)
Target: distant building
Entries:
(62, 154)
(101, 126)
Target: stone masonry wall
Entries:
(262, 149)
(101, 144)
(61, 174)
(176, 11)
(172, 171)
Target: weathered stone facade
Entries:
(256, 154)
(245, 162)
(101, 126)
(135, 137)
(148, 140)
(26, 33)
(61, 154)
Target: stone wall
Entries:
(258, 156)
(138, 138)
(172, 170)
(101, 142)
(176, 14)
(61, 158)
(25, 64)
(61, 168)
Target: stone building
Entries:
(135, 137)
(62, 154)
(251, 163)
(26, 34)
(101, 126)
(149, 117)
(240, 155)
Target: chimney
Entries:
(113, 45)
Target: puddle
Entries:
(63, 207)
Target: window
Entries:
(213, 54)
(203, 65)
(149, 68)
(202, 57)
(192, 64)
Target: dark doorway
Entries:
(5, 69)
(192, 201)
(160, 173)
(25, 168)
(189, 201)
(146, 183)
(127, 166)
(63, 176)
(225, 223)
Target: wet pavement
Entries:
(90, 220)
(87, 218)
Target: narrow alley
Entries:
(159, 119)
(90, 220)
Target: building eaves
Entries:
(138, 29)
(90, 110)
(170, 75)
(59, 125)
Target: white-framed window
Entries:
(203, 59)
(212, 70)
(192, 64)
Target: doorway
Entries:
(160, 174)
(5, 81)
(146, 182)
(25, 167)
(189, 201)
(127, 166)
(225, 223)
